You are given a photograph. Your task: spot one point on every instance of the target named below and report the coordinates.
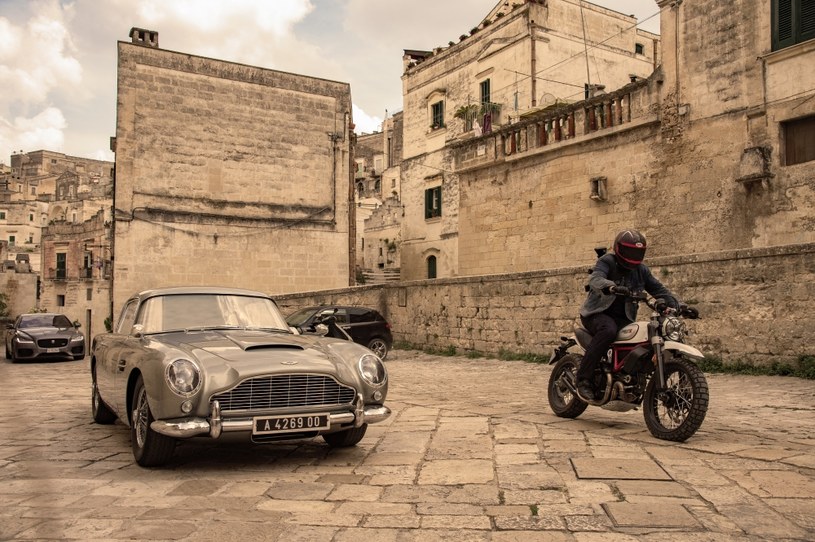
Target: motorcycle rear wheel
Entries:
(677, 412)
(562, 400)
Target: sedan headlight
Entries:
(372, 370)
(78, 339)
(184, 377)
(23, 340)
(673, 329)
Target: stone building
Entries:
(229, 175)
(380, 219)
(712, 152)
(76, 260)
(525, 57)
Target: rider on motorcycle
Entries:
(607, 308)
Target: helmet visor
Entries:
(631, 253)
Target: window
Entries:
(432, 202)
(89, 294)
(639, 48)
(799, 140)
(2, 215)
(127, 318)
(485, 91)
(61, 259)
(431, 267)
(60, 300)
(793, 22)
(437, 112)
(11, 240)
(31, 217)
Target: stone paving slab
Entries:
(471, 452)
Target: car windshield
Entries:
(205, 311)
(45, 320)
(299, 318)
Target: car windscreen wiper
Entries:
(269, 329)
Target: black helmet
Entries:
(629, 248)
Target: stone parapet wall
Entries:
(755, 305)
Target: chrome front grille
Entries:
(285, 391)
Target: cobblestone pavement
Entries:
(472, 452)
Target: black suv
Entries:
(365, 326)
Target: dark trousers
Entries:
(603, 329)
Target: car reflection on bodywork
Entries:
(44, 335)
(190, 362)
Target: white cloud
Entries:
(43, 131)
(37, 58)
(365, 123)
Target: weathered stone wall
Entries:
(229, 174)
(756, 305)
(20, 290)
(544, 38)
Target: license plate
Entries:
(52, 350)
(269, 425)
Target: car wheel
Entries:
(150, 449)
(344, 439)
(8, 354)
(101, 413)
(379, 347)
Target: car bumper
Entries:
(28, 351)
(215, 425)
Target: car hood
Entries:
(256, 352)
(41, 332)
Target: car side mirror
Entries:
(9, 326)
(321, 329)
(137, 330)
(77, 325)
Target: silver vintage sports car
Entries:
(204, 362)
(44, 335)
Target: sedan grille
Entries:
(285, 391)
(52, 343)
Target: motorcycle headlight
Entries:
(184, 377)
(673, 329)
(372, 370)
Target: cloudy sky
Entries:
(58, 57)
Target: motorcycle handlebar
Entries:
(661, 306)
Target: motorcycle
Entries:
(648, 365)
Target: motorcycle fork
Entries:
(659, 352)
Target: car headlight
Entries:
(673, 329)
(23, 340)
(78, 339)
(184, 377)
(372, 370)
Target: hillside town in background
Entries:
(523, 143)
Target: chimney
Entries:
(140, 36)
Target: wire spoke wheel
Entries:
(562, 400)
(676, 412)
(150, 449)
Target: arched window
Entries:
(431, 267)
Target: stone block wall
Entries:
(229, 175)
(755, 305)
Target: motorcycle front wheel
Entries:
(676, 412)
(562, 400)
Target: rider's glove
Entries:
(661, 306)
(689, 312)
(620, 290)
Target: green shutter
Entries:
(807, 18)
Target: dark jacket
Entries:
(607, 273)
